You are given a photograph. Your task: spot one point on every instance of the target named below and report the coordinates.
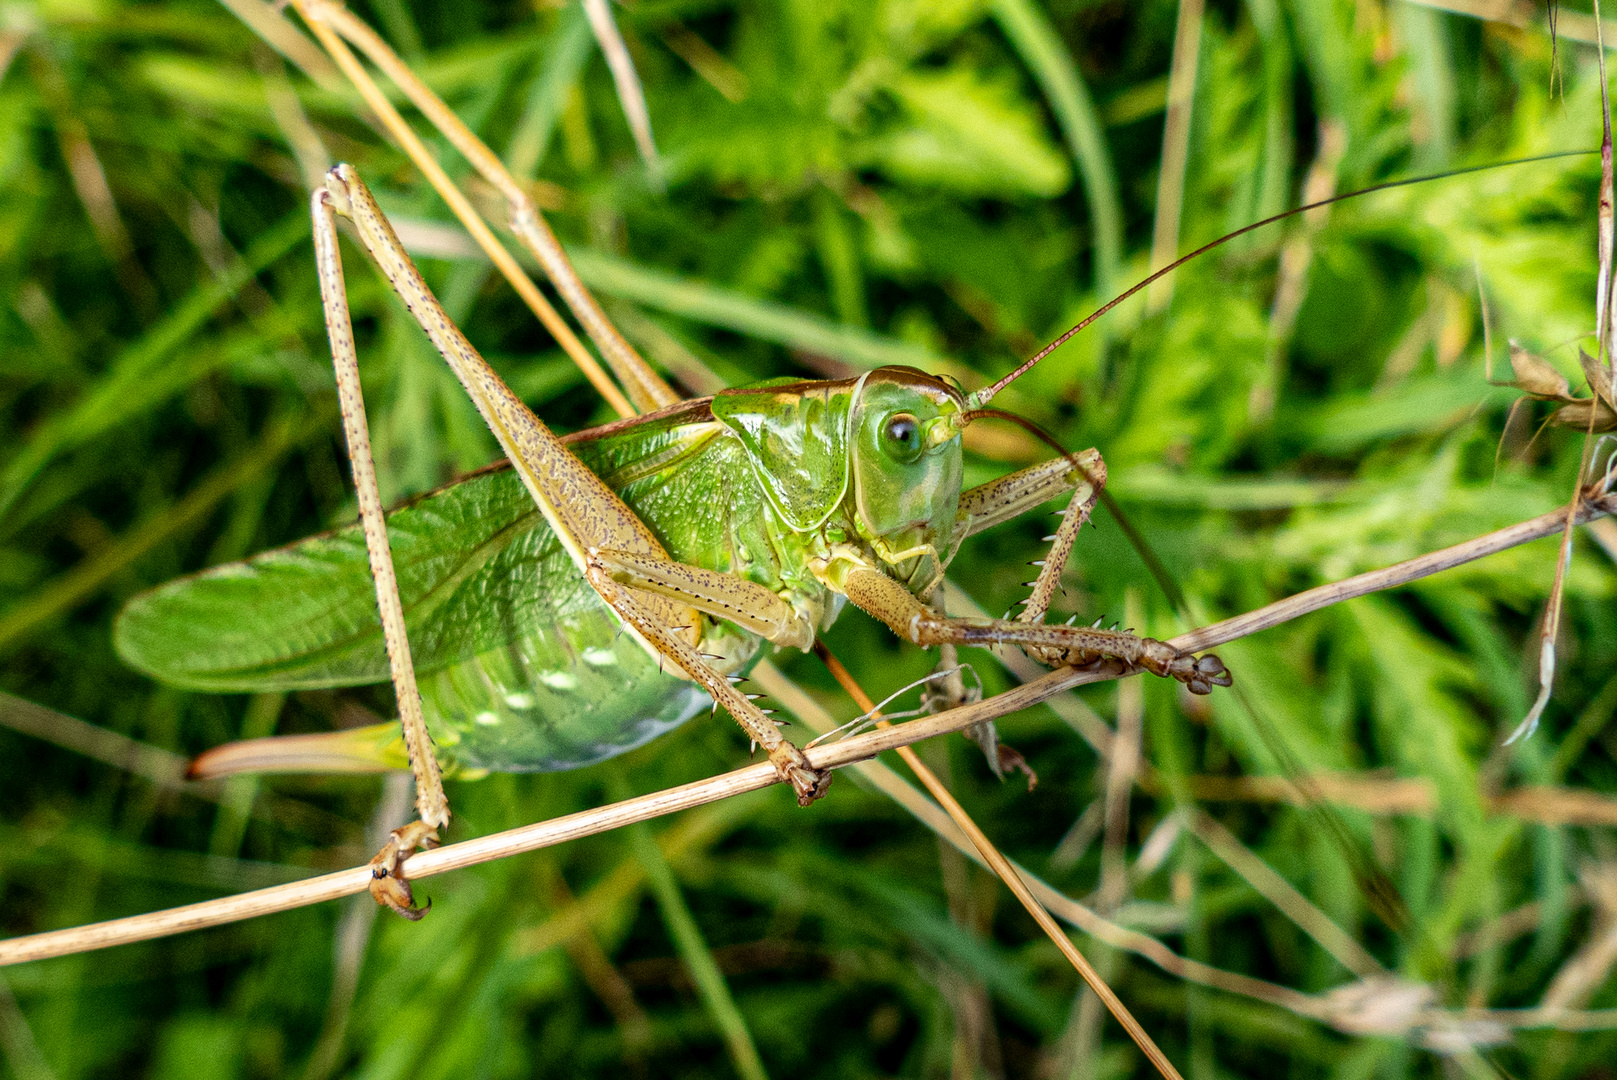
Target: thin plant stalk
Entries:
(605, 818)
(698, 958)
(627, 81)
(1175, 148)
(1551, 626)
(1007, 873)
(503, 260)
(1046, 56)
(646, 389)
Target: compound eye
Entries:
(902, 433)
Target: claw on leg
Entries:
(1053, 646)
(389, 887)
(1199, 673)
(809, 783)
(1208, 671)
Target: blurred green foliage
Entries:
(846, 184)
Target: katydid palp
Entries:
(702, 529)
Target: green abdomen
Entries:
(521, 665)
(565, 696)
(571, 688)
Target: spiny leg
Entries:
(1053, 646)
(625, 579)
(586, 516)
(388, 885)
(1091, 476)
(1054, 562)
(1020, 492)
(988, 505)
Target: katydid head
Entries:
(904, 436)
(882, 449)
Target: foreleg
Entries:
(1011, 496)
(1054, 646)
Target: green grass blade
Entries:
(693, 950)
(145, 361)
(762, 319)
(1047, 58)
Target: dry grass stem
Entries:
(278, 33)
(712, 65)
(352, 938)
(604, 818)
(1393, 797)
(162, 767)
(1523, 14)
(691, 834)
(1391, 577)
(1175, 148)
(646, 389)
(630, 94)
(89, 178)
(602, 976)
(317, 15)
(17, 1040)
(1604, 531)
(1382, 796)
(705, 825)
(1008, 873)
(1296, 257)
(1551, 625)
(1586, 970)
(314, 160)
(1283, 895)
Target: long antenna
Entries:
(982, 397)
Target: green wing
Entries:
(521, 665)
(477, 566)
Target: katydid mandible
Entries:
(608, 586)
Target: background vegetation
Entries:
(842, 184)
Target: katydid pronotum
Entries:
(672, 544)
